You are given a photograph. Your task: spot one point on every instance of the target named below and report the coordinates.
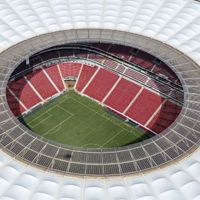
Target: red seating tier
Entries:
(54, 74)
(163, 69)
(120, 68)
(24, 92)
(101, 84)
(165, 117)
(14, 105)
(159, 86)
(136, 75)
(85, 76)
(41, 83)
(115, 112)
(119, 99)
(110, 63)
(70, 69)
(144, 106)
(122, 95)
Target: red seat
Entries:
(122, 95)
(14, 105)
(54, 74)
(41, 83)
(24, 92)
(85, 76)
(101, 84)
(70, 69)
(144, 106)
(165, 117)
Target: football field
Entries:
(76, 120)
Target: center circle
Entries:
(95, 95)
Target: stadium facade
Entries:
(159, 27)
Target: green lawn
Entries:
(78, 121)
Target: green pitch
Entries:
(78, 121)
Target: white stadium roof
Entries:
(174, 22)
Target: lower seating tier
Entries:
(15, 106)
(144, 106)
(165, 117)
(85, 75)
(119, 94)
(70, 69)
(54, 74)
(24, 92)
(41, 83)
(101, 84)
(122, 95)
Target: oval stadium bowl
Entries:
(151, 46)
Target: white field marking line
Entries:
(88, 133)
(111, 138)
(70, 115)
(85, 135)
(86, 145)
(154, 114)
(122, 123)
(50, 80)
(132, 131)
(54, 130)
(133, 100)
(112, 88)
(102, 115)
(49, 131)
(42, 121)
(82, 91)
(20, 102)
(35, 118)
(47, 112)
(79, 74)
(93, 110)
(92, 130)
(33, 88)
(139, 124)
(62, 79)
(62, 123)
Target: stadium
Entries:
(99, 100)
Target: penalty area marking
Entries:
(59, 124)
(91, 144)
